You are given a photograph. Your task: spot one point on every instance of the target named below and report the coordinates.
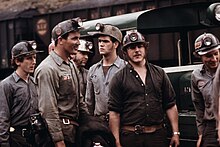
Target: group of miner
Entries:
(120, 101)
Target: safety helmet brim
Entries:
(97, 34)
(208, 50)
(124, 48)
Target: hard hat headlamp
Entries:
(89, 45)
(77, 21)
(207, 41)
(99, 27)
(33, 44)
(133, 37)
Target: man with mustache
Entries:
(60, 100)
(139, 95)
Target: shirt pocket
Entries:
(65, 85)
(96, 84)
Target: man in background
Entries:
(80, 59)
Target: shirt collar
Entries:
(203, 69)
(131, 67)
(117, 62)
(16, 77)
(57, 58)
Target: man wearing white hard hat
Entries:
(207, 49)
(80, 59)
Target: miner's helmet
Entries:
(85, 46)
(107, 30)
(205, 43)
(132, 37)
(24, 48)
(65, 27)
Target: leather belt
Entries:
(138, 129)
(23, 131)
(67, 121)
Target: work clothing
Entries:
(18, 100)
(60, 100)
(98, 86)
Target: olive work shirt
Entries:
(202, 81)
(139, 103)
(98, 86)
(59, 96)
(18, 100)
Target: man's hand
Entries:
(60, 144)
(199, 141)
(118, 144)
(175, 141)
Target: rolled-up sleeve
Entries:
(48, 102)
(168, 93)
(115, 95)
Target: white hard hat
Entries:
(85, 46)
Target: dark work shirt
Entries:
(83, 80)
(140, 103)
(18, 99)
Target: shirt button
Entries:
(146, 94)
(147, 105)
(130, 70)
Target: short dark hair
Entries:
(20, 59)
(65, 36)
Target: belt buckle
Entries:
(138, 129)
(66, 121)
(23, 132)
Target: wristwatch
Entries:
(176, 133)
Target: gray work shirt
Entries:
(201, 83)
(98, 86)
(216, 91)
(59, 95)
(18, 100)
